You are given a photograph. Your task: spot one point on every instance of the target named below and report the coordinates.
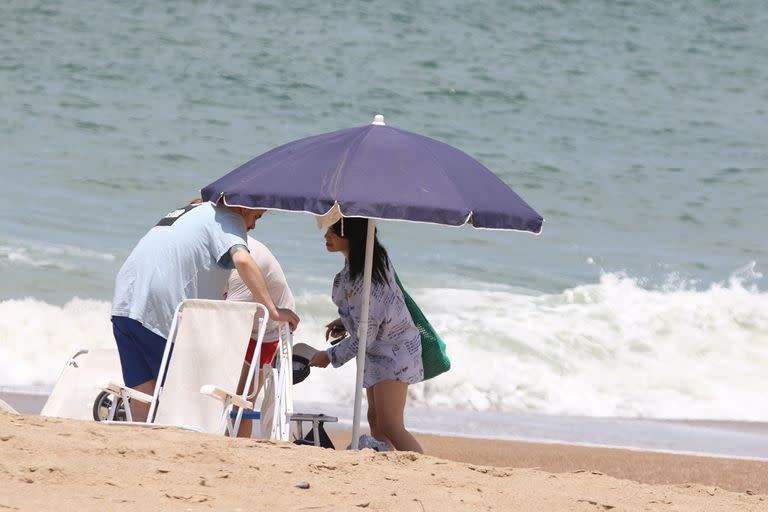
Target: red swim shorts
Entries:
(268, 349)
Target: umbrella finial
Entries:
(378, 120)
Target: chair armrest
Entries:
(217, 392)
(119, 389)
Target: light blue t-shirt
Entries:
(186, 256)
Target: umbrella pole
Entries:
(362, 332)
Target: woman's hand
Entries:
(320, 359)
(335, 329)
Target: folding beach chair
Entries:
(204, 356)
(75, 394)
(6, 407)
(276, 413)
(276, 404)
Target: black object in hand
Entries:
(336, 334)
(300, 366)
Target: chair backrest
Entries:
(277, 405)
(207, 346)
(75, 391)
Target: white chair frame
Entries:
(227, 397)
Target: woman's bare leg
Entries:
(389, 398)
(372, 421)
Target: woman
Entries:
(393, 348)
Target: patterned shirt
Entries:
(393, 345)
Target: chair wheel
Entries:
(102, 404)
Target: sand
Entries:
(646, 467)
(75, 465)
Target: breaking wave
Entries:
(611, 348)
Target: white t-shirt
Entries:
(185, 256)
(277, 286)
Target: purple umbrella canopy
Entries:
(376, 171)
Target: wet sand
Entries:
(641, 466)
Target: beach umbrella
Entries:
(376, 172)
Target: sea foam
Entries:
(611, 348)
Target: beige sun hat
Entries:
(329, 218)
(304, 350)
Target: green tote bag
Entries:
(433, 355)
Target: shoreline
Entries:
(646, 467)
(721, 439)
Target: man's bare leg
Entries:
(140, 410)
(246, 426)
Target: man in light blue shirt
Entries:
(188, 255)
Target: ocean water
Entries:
(636, 128)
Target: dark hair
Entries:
(356, 231)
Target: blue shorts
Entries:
(141, 350)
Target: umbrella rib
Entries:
(453, 185)
(340, 167)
